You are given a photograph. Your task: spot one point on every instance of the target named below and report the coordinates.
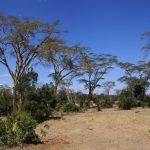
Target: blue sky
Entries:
(106, 26)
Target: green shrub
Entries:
(39, 111)
(147, 101)
(40, 103)
(126, 100)
(103, 101)
(106, 103)
(3, 138)
(25, 126)
(80, 99)
(18, 129)
(61, 98)
(69, 107)
(148, 104)
(5, 102)
(144, 103)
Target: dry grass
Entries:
(107, 130)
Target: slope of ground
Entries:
(107, 130)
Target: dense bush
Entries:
(69, 107)
(61, 98)
(5, 102)
(18, 129)
(106, 102)
(126, 100)
(145, 102)
(80, 99)
(103, 101)
(39, 111)
(41, 103)
(3, 134)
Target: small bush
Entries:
(103, 101)
(18, 129)
(126, 101)
(69, 107)
(106, 103)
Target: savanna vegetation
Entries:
(29, 43)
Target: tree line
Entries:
(30, 41)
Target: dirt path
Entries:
(107, 130)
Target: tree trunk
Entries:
(15, 109)
(90, 95)
(89, 98)
(21, 101)
(55, 89)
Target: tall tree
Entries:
(136, 77)
(24, 39)
(64, 64)
(94, 68)
(130, 70)
(108, 85)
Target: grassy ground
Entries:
(107, 130)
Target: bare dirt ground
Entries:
(107, 130)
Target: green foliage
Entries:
(136, 77)
(126, 100)
(103, 101)
(27, 83)
(61, 98)
(81, 98)
(5, 102)
(63, 104)
(39, 111)
(46, 95)
(106, 102)
(145, 102)
(139, 91)
(3, 138)
(69, 107)
(18, 129)
(43, 100)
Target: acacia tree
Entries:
(143, 84)
(94, 68)
(24, 39)
(136, 77)
(108, 85)
(64, 64)
(129, 70)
